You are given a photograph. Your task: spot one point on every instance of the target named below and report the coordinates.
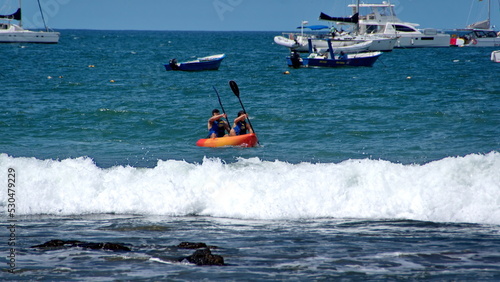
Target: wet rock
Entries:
(104, 246)
(53, 244)
(57, 244)
(204, 257)
(189, 245)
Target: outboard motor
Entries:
(296, 60)
(173, 64)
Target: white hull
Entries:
(29, 37)
(422, 41)
(10, 33)
(495, 56)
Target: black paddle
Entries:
(222, 107)
(236, 92)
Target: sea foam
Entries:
(454, 189)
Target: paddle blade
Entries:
(235, 88)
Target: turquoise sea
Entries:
(382, 173)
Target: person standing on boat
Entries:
(216, 126)
(240, 126)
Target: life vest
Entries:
(241, 128)
(218, 127)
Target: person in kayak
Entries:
(216, 126)
(240, 126)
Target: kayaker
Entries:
(216, 126)
(240, 126)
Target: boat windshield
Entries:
(372, 28)
(386, 11)
(483, 34)
(375, 12)
(404, 28)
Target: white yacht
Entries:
(15, 33)
(380, 19)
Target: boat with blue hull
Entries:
(330, 59)
(204, 63)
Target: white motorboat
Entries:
(15, 33)
(321, 45)
(339, 40)
(381, 20)
(495, 56)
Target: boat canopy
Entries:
(352, 19)
(16, 16)
(314, 27)
(480, 25)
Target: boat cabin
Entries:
(381, 18)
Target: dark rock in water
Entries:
(57, 244)
(189, 245)
(104, 246)
(73, 243)
(204, 257)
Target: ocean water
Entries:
(382, 173)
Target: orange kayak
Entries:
(245, 140)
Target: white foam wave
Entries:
(454, 189)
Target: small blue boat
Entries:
(331, 60)
(205, 63)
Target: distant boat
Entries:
(299, 41)
(331, 60)
(381, 20)
(204, 63)
(478, 34)
(346, 46)
(15, 33)
(495, 56)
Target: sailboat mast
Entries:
(489, 13)
(357, 23)
(21, 18)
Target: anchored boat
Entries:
(478, 34)
(204, 63)
(15, 33)
(381, 20)
(332, 60)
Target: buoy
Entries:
(286, 72)
(91, 66)
(408, 77)
(49, 77)
(111, 80)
